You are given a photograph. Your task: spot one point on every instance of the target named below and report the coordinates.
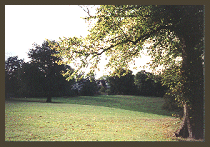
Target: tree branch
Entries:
(87, 11)
(145, 36)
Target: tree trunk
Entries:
(193, 93)
(185, 130)
(49, 99)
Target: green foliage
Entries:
(148, 84)
(85, 86)
(54, 83)
(12, 65)
(120, 32)
(123, 84)
(88, 88)
(32, 81)
(102, 89)
(39, 77)
(144, 84)
(170, 103)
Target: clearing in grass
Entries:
(89, 118)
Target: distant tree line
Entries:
(85, 87)
(143, 83)
(42, 77)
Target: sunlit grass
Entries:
(99, 118)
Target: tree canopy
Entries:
(39, 77)
(121, 31)
(123, 85)
(148, 84)
(54, 82)
(12, 64)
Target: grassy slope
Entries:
(102, 118)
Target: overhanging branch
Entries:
(143, 37)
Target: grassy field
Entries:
(89, 118)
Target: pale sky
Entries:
(28, 24)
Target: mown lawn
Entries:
(89, 118)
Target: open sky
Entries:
(28, 24)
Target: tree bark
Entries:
(186, 129)
(49, 97)
(193, 92)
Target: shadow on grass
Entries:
(133, 103)
(151, 105)
(28, 100)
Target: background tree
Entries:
(89, 87)
(149, 84)
(145, 84)
(54, 82)
(121, 31)
(123, 85)
(85, 86)
(32, 81)
(12, 65)
(159, 88)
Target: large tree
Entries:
(121, 32)
(54, 83)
